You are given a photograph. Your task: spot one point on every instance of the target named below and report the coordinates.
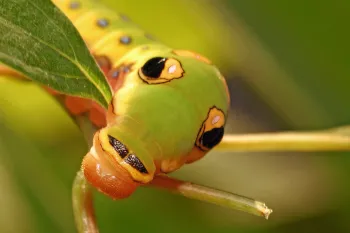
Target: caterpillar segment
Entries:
(169, 106)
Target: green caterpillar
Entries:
(169, 106)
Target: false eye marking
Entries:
(161, 70)
(136, 163)
(212, 130)
(211, 138)
(153, 67)
(119, 147)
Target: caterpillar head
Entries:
(112, 167)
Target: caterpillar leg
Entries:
(335, 139)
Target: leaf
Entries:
(38, 40)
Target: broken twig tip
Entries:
(264, 210)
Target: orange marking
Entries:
(7, 71)
(98, 115)
(187, 53)
(195, 155)
(77, 105)
(51, 91)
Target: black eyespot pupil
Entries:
(119, 147)
(213, 137)
(153, 67)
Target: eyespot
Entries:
(212, 130)
(211, 138)
(153, 67)
(160, 70)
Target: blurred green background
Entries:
(287, 65)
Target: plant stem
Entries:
(83, 205)
(210, 195)
(82, 195)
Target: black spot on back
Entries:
(153, 67)
(213, 137)
(119, 147)
(136, 163)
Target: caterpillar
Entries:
(161, 115)
(169, 106)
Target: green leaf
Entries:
(38, 40)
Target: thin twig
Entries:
(336, 139)
(213, 196)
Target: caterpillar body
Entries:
(169, 106)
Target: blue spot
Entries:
(115, 74)
(126, 69)
(150, 37)
(74, 5)
(102, 23)
(125, 39)
(124, 17)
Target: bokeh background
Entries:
(287, 65)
